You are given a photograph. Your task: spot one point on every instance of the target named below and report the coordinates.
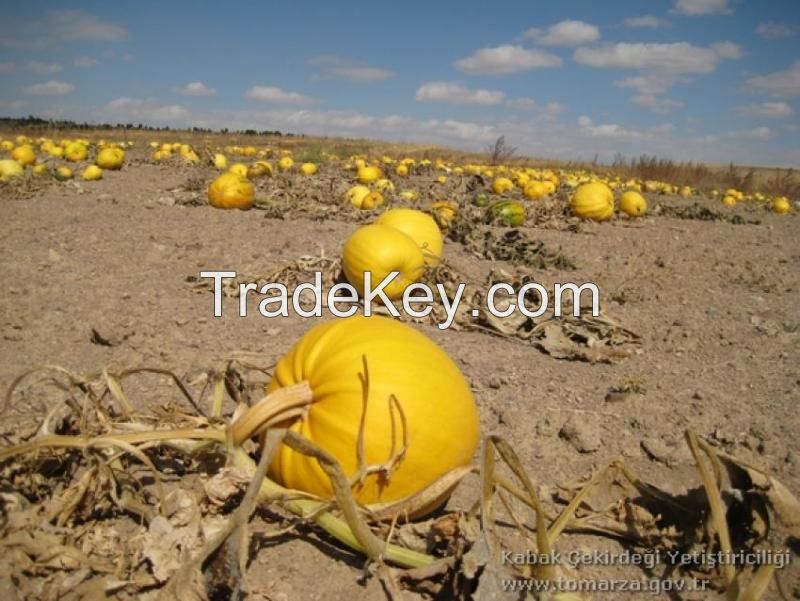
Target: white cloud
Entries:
(773, 30)
(84, 62)
(608, 130)
(566, 33)
(523, 103)
(695, 8)
(196, 88)
(277, 95)
(147, 111)
(779, 83)
(59, 26)
(553, 109)
(336, 67)
(453, 92)
(6, 68)
(656, 104)
(727, 50)
(762, 134)
(506, 59)
(770, 110)
(646, 22)
(50, 88)
(672, 58)
(69, 25)
(43, 68)
(649, 84)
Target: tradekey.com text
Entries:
(418, 300)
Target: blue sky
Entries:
(714, 80)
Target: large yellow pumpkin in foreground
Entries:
(420, 227)
(442, 425)
(231, 191)
(380, 250)
(594, 201)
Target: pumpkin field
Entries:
(154, 450)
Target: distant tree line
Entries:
(33, 122)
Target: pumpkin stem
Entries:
(396, 456)
(277, 406)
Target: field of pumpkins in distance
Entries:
(109, 326)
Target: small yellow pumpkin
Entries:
(444, 212)
(420, 227)
(534, 190)
(441, 419)
(632, 203)
(356, 195)
(63, 173)
(24, 155)
(781, 205)
(75, 152)
(594, 201)
(369, 174)
(92, 173)
(501, 185)
(231, 191)
(110, 158)
(9, 169)
(380, 250)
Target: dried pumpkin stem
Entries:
(268, 409)
(716, 505)
(334, 526)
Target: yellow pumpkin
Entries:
(384, 185)
(308, 168)
(92, 173)
(24, 155)
(110, 158)
(220, 161)
(285, 163)
(369, 174)
(231, 191)
(420, 227)
(441, 418)
(781, 205)
(356, 195)
(372, 200)
(10, 169)
(593, 201)
(501, 185)
(239, 169)
(380, 250)
(75, 152)
(729, 201)
(535, 190)
(255, 171)
(632, 203)
(444, 212)
(267, 166)
(63, 173)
